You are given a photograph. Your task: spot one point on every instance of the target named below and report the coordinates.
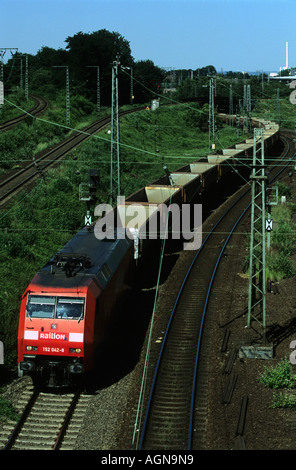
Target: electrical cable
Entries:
(140, 406)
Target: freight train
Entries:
(67, 308)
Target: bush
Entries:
(283, 400)
(280, 376)
(279, 266)
(7, 410)
(284, 190)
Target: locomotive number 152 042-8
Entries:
(53, 350)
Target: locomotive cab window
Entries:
(40, 306)
(71, 308)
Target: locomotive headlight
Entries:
(31, 348)
(75, 350)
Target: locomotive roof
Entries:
(84, 256)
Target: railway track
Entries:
(40, 106)
(12, 184)
(49, 421)
(177, 407)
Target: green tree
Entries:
(99, 48)
(149, 75)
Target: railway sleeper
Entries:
(230, 361)
(225, 340)
(229, 388)
(242, 416)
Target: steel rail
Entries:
(15, 432)
(66, 422)
(211, 284)
(26, 413)
(64, 147)
(40, 105)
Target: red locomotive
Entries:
(68, 306)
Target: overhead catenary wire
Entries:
(140, 406)
(154, 154)
(121, 143)
(144, 151)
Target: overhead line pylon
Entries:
(257, 274)
(115, 146)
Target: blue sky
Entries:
(245, 35)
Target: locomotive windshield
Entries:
(71, 308)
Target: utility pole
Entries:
(257, 275)
(115, 152)
(211, 116)
(98, 87)
(278, 105)
(132, 83)
(248, 107)
(67, 92)
(21, 73)
(132, 87)
(230, 105)
(27, 80)
(245, 97)
(2, 54)
(238, 118)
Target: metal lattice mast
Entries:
(115, 154)
(98, 90)
(231, 105)
(249, 99)
(211, 116)
(21, 73)
(2, 54)
(67, 92)
(98, 87)
(278, 105)
(67, 97)
(248, 107)
(132, 86)
(245, 97)
(257, 275)
(27, 79)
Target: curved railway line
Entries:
(40, 106)
(12, 184)
(176, 413)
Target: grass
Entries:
(267, 109)
(282, 240)
(9, 112)
(151, 139)
(280, 377)
(7, 411)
